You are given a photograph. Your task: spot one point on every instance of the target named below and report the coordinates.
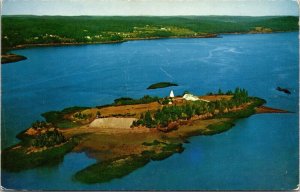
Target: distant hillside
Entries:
(23, 30)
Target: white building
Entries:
(190, 97)
(172, 94)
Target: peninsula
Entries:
(128, 133)
(10, 58)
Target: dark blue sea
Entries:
(259, 153)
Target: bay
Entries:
(260, 152)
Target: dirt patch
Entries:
(264, 109)
(108, 143)
(126, 110)
(113, 122)
(31, 131)
(215, 97)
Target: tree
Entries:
(212, 108)
(229, 92)
(220, 92)
(98, 114)
(184, 115)
(148, 119)
(189, 111)
(116, 38)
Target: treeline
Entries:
(48, 138)
(20, 30)
(220, 92)
(41, 124)
(46, 135)
(157, 34)
(162, 117)
(129, 101)
(79, 115)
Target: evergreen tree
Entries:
(220, 92)
(148, 119)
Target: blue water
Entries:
(260, 152)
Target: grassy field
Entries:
(28, 30)
(58, 119)
(105, 171)
(17, 158)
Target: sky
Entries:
(150, 7)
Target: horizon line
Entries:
(152, 15)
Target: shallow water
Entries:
(260, 152)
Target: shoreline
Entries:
(265, 109)
(256, 32)
(26, 46)
(17, 58)
(98, 133)
(11, 58)
(154, 149)
(213, 35)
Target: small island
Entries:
(161, 85)
(128, 133)
(284, 90)
(10, 58)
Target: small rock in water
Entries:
(283, 90)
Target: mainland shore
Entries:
(60, 31)
(11, 58)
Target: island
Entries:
(161, 85)
(128, 133)
(283, 90)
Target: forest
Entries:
(33, 30)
